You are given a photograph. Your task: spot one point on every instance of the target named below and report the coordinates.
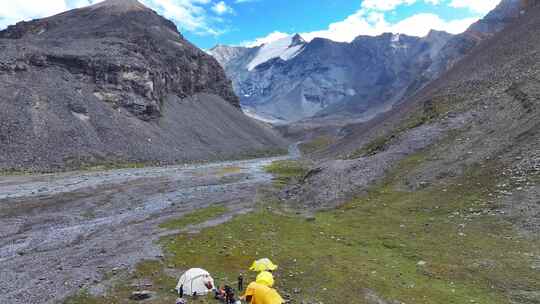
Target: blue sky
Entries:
(255, 20)
(251, 22)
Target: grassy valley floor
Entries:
(443, 244)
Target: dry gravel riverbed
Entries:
(63, 232)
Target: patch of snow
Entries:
(395, 42)
(278, 49)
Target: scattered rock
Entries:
(372, 298)
(141, 295)
(525, 297)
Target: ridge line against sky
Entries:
(253, 22)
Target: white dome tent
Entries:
(195, 281)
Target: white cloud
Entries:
(372, 23)
(388, 5)
(371, 20)
(16, 10)
(190, 15)
(221, 8)
(13, 11)
(478, 6)
(421, 24)
(266, 39)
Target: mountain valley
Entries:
(391, 169)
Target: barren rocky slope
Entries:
(115, 83)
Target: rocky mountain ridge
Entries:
(149, 77)
(332, 81)
(324, 72)
(114, 82)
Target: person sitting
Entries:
(261, 291)
(225, 294)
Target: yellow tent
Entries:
(265, 278)
(263, 265)
(261, 294)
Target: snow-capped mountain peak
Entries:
(285, 48)
(297, 40)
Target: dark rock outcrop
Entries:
(114, 82)
(133, 56)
